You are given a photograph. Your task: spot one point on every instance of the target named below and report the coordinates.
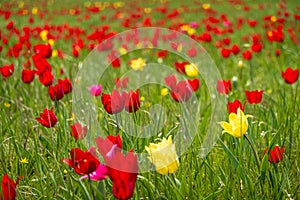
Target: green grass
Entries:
(229, 171)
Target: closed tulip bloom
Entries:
(254, 97)
(9, 188)
(238, 124)
(48, 118)
(27, 75)
(290, 76)
(163, 156)
(275, 154)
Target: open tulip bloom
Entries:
(237, 125)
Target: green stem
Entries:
(254, 152)
(90, 183)
(251, 73)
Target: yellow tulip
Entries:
(138, 64)
(163, 156)
(191, 70)
(238, 124)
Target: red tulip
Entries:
(66, 84)
(276, 154)
(7, 70)
(83, 162)
(195, 83)
(290, 76)
(256, 47)
(224, 87)
(247, 55)
(225, 53)
(122, 83)
(44, 50)
(277, 52)
(122, 170)
(232, 107)
(235, 49)
(27, 75)
(132, 102)
(9, 188)
(113, 103)
(48, 118)
(179, 66)
(56, 92)
(254, 97)
(78, 131)
(46, 78)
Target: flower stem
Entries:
(90, 183)
(254, 152)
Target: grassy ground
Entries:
(229, 171)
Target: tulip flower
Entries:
(290, 76)
(254, 97)
(66, 84)
(9, 191)
(132, 102)
(238, 124)
(95, 90)
(27, 75)
(275, 154)
(137, 64)
(224, 87)
(163, 156)
(78, 131)
(48, 118)
(7, 70)
(232, 107)
(114, 103)
(56, 92)
(83, 162)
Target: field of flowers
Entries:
(155, 99)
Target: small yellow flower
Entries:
(206, 6)
(122, 51)
(238, 124)
(142, 98)
(7, 105)
(164, 92)
(54, 53)
(191, 70)
(163, 156)
(51, 42)
(24, 161)
(72, 118)
(34, 10)
(240, 64)
(65, 171)
(191, 31)
(273, 19)
(21, 4)
(147, 10)
(138, 64)
(43, 35)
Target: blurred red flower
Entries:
(224, 87)
(121, 83)
(254, 97)
(7, 70)
(78, 131)
(179, 66)
(48, 118)
(46, 78)
(232, 107)
(122, 170)
(275, 154)
(290, 75)
(83, 162)
(132, 101)
(9, 188)
(235, 49)
(44, 50)
(27, 75)
(247, 55)
(66, 84)
(56, 92)
(113, 103)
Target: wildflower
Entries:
(7, 70)
(48, 118)
(9, 191)
(164, 92)
(24, 161)
(95, 90)
(290, 76)
(27, 75)
(232, 107)
(115, 102)
(132, 101)
(137, 64)
(224, 87)
(66, 85)
(191, 70)
(238, 124)
(247, 55)
(121, 169)
(275, 154)
(56, 92)
(78, 131)
(83, 162)
(254, 97)
(163, 156)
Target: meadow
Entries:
(155, 99)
